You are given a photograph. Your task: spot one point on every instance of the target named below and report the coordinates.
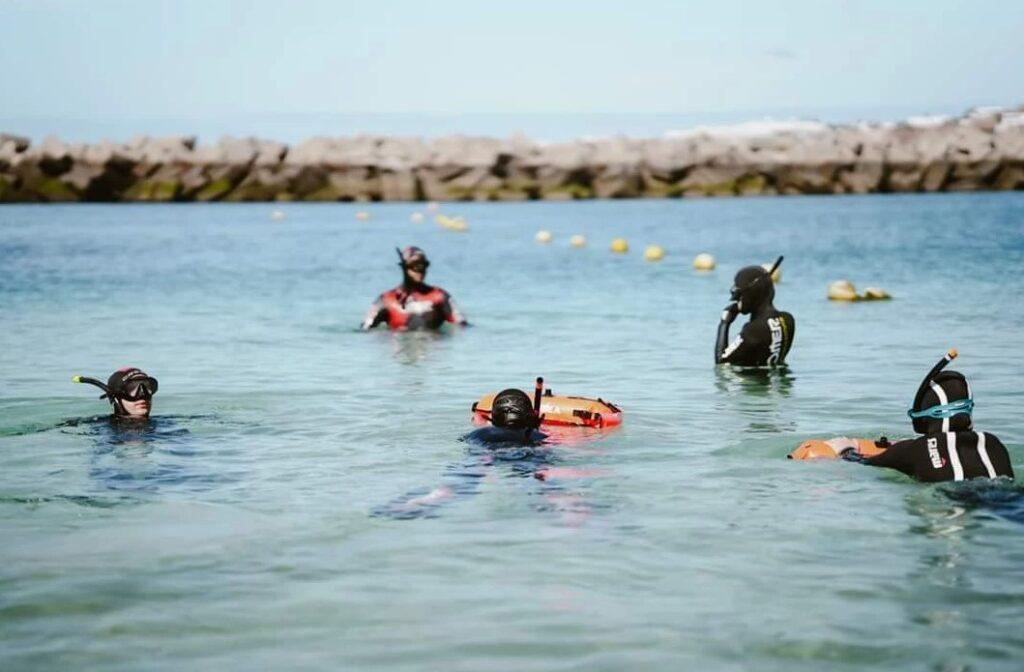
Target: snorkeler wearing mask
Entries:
(413, 304)
(514, 422)
(948, 448)
(129, 390)
(766, 339)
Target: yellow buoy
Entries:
(777, 275)
(362, 215)
(875, 294)
(452, 223)
(278, 215)
(578, 241)
(543, 236)
(842, 290)
(416, 217)
(654, 253)
(704, 262)
(620, 246)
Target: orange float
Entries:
(822, 449)
(558, 410)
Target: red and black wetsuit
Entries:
(413, 307)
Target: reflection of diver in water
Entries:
(140, 455)
(758, 381)
(766, 339)
(513, 440)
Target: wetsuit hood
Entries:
(943, 403)
(513, 409)
(412, 256)
(753, 289)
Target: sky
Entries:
(115, 67)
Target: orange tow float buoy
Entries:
(821, 449)
(566, 411)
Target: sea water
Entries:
(249, 527)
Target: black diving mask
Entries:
(139, 388)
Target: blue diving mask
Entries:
(944, 410)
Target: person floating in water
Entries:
(129, 390)
(948, 448)
(766, 339)
(413, 304)
(511, 439)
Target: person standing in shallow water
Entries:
(413, 304)
(766, 339)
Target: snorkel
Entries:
(92, 381)
(944, 409)
(118, 409)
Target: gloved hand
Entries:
(730, 312)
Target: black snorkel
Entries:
(939, 366)
(118, 410)
(93, 381)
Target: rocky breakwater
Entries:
(983, 150)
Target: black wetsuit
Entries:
(764, 341)
(952, 456)
(501, 437)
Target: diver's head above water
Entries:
(513, 409)
(943, 402)
(414, 265)
(753, 289)
(129, 390)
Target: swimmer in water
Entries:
(129, 390)
(514, 422)
(766, 339)
(511, 440)
(948, 448)
(413, 304)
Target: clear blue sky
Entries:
(209, 59)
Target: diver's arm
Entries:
(451, 313)
(377, 314)
(744, 349)
(722, 339)
(899, 456)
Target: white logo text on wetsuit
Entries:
(933, 453)
(775, 326)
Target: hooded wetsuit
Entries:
(766, 339)
(949, 448)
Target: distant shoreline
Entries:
(982, 150)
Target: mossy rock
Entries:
(214, 190)
(656, 189)
(751, 185)
(6, 189)
(719, 189)
(55, 191)
(328, 192)
(165, 192)
(568, 192)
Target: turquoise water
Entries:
(236, 533)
